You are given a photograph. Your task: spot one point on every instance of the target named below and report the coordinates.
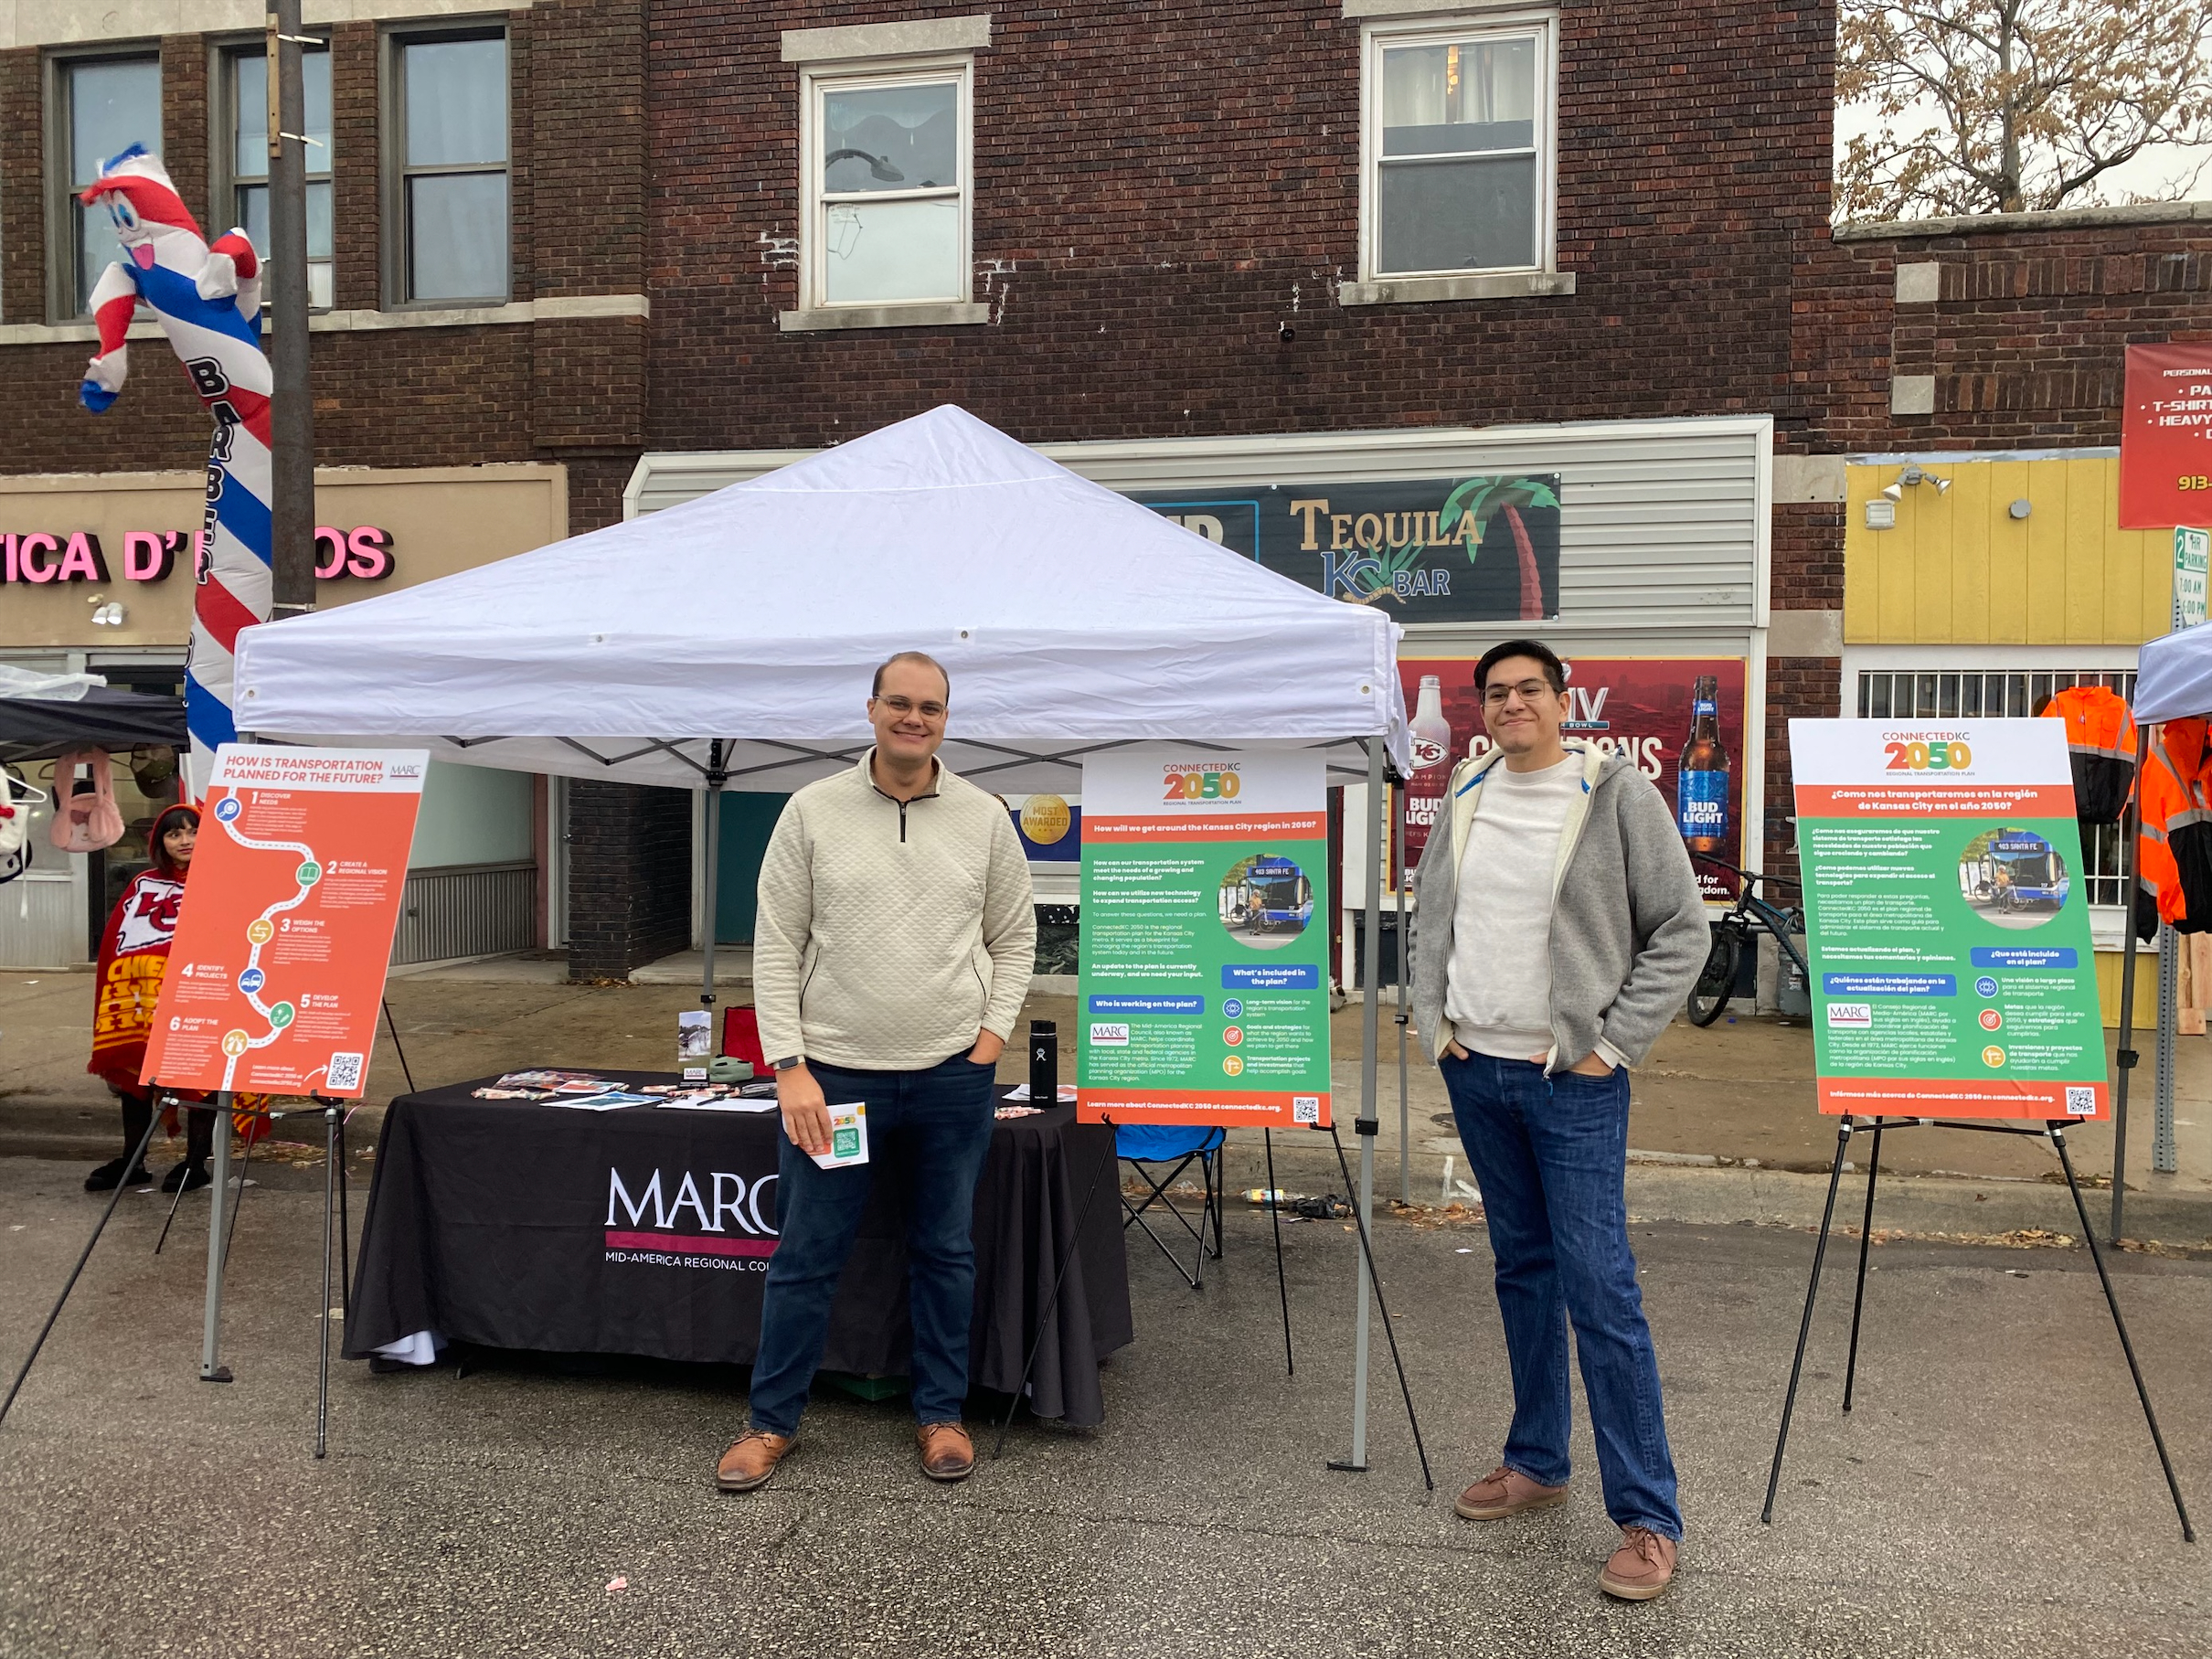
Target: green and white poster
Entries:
(1203, 983)
(1948, 918)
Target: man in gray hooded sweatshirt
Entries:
(1558, 927)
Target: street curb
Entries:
(1706, 1197)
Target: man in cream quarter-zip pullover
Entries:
(892, 952)
(1558, 927)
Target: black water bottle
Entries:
(1044, 1062)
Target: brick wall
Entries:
(2025, 340)
(1159, 187)
(405, 397)
(629, 876)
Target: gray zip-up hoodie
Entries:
(1628, 926)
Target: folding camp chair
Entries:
(1140, 1145)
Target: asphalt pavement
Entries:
(1994, 1491)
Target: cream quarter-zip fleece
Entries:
(890, 933)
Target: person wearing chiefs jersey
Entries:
(133, 955)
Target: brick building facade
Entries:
(1174, 228)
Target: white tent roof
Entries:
(1068, 617)
(2173, 677)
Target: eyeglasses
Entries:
(903, 706)
(1528, 691)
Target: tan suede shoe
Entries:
(947, 1454)
(751, 1459)
(1505, 1491)
(1640, 1568)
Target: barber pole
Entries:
(207, 302)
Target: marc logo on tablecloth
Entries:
(728, 1230)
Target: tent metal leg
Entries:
(1405, 972)
(1367, 1124)
(712, 861)
(2125, 1057)
(210, 1367)
(2169, 1017)
(330, 1182)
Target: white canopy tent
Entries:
(1068, 617)
(728, 642)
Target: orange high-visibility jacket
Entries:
(2175, 846)
(2101, 744)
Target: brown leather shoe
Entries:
(947, 1454)
(1640, 1568)
(1505, 1491)
(752, 1459)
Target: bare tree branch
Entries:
(1990, 106)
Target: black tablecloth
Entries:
(518, 1224)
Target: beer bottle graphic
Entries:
(1701, 780)
(1431, 764)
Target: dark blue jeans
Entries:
(1551, 1157)
(929, 1132)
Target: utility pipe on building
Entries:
(291, 406)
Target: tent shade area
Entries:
(41, 729)
(736, 633)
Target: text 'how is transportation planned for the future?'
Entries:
(277, 973)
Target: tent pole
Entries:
(1366, 1126)
(1405, 972)
(2130, 861)
(715, 778)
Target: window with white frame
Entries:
(448, 185)
(1458, 152)
(103, 105)
(245, 158)
(1994, 694)
(885, 159)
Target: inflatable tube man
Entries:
(208, 302)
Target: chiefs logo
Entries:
(149, 916)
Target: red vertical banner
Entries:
(2165, 437)
(1640, 709)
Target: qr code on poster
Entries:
(1306, 1109)
(2080, 1101)
(345, 1071)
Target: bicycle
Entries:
(1737, 929)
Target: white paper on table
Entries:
(1020, 1091)
(848, 1137)
(719, 1102)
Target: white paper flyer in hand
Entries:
(848, 1137)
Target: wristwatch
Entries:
(786, 1063)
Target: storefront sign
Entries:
(1428, 550)
(38, 557)
(1644, 709)
(2165, 437)
(278, 969)
(1948, 922)
(1203, 983)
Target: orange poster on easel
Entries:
(278, 969)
